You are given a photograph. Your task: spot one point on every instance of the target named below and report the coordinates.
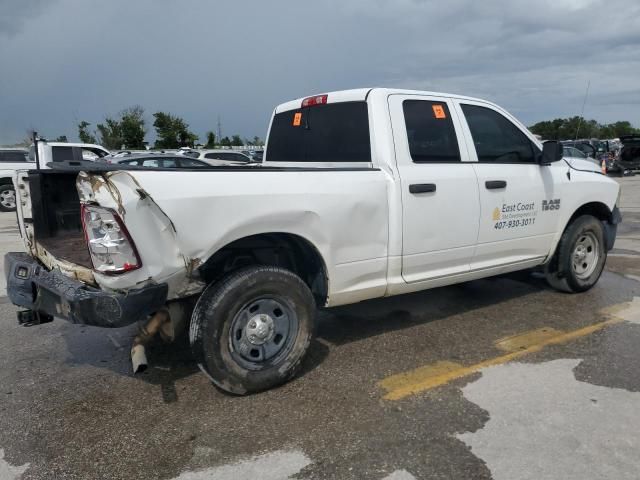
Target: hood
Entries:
(584, 164)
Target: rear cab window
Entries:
(326, 133)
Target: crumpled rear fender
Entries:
(151, 230)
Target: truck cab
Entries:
(66, 152)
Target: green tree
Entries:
(110, 133)
(622, 128)
(61, 138)
(579, 127)
(132, 127)
(211, 140)
(225, 142)
(172, 131)
(83, 133)
(236, 141)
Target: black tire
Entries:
(225, 357)
(4, 206)
(583, 238)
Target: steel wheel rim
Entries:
(8, 198)
(262, 332)
(585, 256)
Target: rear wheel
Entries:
(250, 331)
(580, 257)
(7, 198)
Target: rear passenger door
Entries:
(514, 188)
(440, 208)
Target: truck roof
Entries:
(361, 94)
(72, 144)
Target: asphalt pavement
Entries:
(501, 378)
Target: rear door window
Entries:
(430, 132)
(334, 132)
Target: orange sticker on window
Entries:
(297, 119)
(438, 111)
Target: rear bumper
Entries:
(32, 286)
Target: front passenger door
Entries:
(519, 198)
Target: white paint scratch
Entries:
(544, 424)
(8, 472)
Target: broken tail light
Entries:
(109, 242)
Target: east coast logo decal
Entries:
(514, 215)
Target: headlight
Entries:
(109, 242)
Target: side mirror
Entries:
(551, 152)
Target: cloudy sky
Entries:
(63, 61)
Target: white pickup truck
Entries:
(363, 193)
(12, 159)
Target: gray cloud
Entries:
(81, 59)
(15, 13)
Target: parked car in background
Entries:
(585, 147)
(628, 160)
(161, 160)
(11, 159)
(234, 156)
(256, 155)
(573, 152)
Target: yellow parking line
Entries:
(430, 376)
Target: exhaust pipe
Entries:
(146, 334)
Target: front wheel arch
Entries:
(559, 272)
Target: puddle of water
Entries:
(279, 465)
(545, 424)
(9, 472)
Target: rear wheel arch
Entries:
(277, 249)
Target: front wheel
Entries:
(580, 256)
(7, 198)
(250, 331)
